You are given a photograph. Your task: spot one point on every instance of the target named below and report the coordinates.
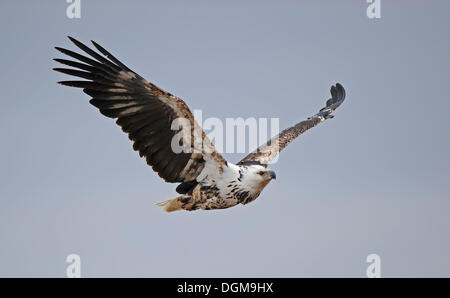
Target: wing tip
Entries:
(340, 90)
(337, 98)
(75, 41)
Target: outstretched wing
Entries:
(143, 111)
(267, 152)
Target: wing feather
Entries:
(143, 111)
(267, 152)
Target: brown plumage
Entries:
(144, 111)
(267, 152)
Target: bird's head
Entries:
(257, 177)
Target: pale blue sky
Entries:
(375, 179)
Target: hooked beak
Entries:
(273, 175)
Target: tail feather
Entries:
(173, 204)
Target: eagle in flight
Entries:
(145, 112)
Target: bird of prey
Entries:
(145, 112)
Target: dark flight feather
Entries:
(142, 110)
